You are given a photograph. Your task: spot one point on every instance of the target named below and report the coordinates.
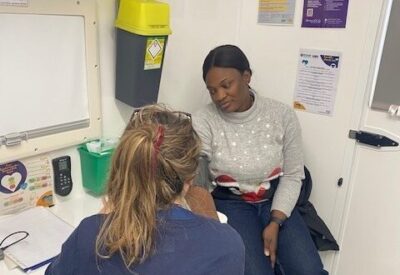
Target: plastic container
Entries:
(102, 145)
(95, 168)
(142, 34)
(143, 17)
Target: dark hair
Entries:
(226, 56)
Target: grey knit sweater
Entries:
(247, 149)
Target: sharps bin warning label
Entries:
(154, 53)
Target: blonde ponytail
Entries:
(157, 153)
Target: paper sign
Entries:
(316, 82)
(325, 13)
(25, 184)
(276, 12)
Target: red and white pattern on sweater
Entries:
(249, 192)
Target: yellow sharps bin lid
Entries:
(143, 17)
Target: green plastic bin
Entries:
(95, 168)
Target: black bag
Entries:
(320, 233)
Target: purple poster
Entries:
(325, 13)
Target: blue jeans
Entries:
(296, 252)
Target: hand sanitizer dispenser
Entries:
(142, 33)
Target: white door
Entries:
(371, 229)
(371, 235)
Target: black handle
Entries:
(372, 139)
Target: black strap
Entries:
(17, 241)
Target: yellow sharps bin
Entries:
(142, 34)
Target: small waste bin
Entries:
(95, 168)
(142, 34)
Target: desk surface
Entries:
(72, 211)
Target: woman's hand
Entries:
(201, 202)
(270, 237)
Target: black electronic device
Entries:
(62, 175)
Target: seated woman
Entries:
(147, 229)
(248, 140)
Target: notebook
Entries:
(47, 233)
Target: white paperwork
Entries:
(47, 233)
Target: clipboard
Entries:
(47, 233)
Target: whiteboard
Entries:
(42, 71)
(49, 78)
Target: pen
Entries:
(29, 269)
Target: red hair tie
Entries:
(159, 138)
(157, 144)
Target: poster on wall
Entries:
(25, 184)
(325, 13)
(316, 82)
(276, 12)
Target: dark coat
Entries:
(319, 231)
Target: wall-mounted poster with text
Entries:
(25, 184)
(325, 13)
(316, 83)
